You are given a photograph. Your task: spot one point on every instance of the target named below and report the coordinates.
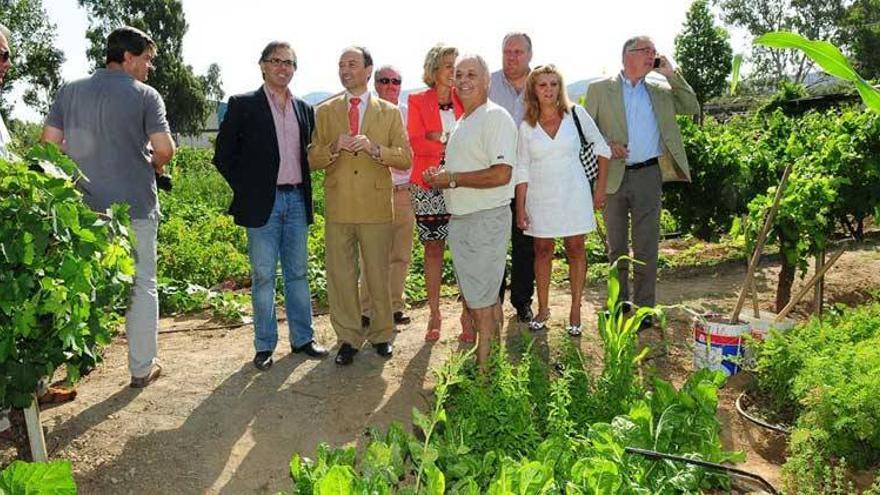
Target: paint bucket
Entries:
(759, 328)
(718, 344)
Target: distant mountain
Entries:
(575, 91)
(579, 88)
(316, 97)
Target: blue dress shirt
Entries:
(641, 124)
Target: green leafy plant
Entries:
(53, 478)
(65, 272)
(828, 57)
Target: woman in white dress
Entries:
(552, 192)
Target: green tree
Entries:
(185, 93)
(810, 18)
(862, 21)
(703, 51)
(36, 60)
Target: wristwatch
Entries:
(452, 184)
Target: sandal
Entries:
(537, 325)
(467, 336)
(573, 330)
(433, 333)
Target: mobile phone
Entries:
(656, 62)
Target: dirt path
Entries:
(213, 424)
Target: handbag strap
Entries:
(577, 124)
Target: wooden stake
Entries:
(759, 246)
(806, 288)
(755, 307)
(819, 294)
(35, 432)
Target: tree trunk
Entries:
(786, 279)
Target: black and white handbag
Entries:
(587, 154)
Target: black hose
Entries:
(757, 421)
(706, 464)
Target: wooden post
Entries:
(35, 432)
(759, 246)
(819, 294)
(806, 288)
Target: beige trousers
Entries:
(343, 243)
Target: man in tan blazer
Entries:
(357, 139)
(637, 118)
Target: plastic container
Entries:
(718, 345)
(759, 328)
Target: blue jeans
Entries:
(284, 236)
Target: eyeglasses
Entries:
(4, 56)
(388, 80)
(645, 49)
(277, 61)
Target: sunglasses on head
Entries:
(4, 56)
(388, 80)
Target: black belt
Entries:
(288, 187)
(647, 163)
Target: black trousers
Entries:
(522, 267)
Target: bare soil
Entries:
(214, 424)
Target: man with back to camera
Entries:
(506, 90)
(114, 127)
(477, 188)
(358, 139)
(387, 82)
(261, 152)
(637, 118)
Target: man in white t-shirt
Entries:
(477, 190)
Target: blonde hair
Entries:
(533, 108)
(433, 60)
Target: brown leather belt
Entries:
(647, 163)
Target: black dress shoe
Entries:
(524, 314)
(311, 349)
(365, 321)
(345, 356)
(401, 319)
(384, 349)
(263, 360)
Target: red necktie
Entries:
(354, 115)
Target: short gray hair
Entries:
(386, 67)
(632, 42)
(517, 34)
(6, 32)
(481, 62)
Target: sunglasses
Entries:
(4, 56)
(387, 80)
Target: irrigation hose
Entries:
(757, 421)
(653, 455)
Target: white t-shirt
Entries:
(484, 138)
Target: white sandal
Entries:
(538, 325)
(573, 330)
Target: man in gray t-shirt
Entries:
(113, 126)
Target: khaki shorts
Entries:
(478, 242)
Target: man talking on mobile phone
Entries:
(637, 118)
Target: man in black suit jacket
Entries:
(261, 152)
